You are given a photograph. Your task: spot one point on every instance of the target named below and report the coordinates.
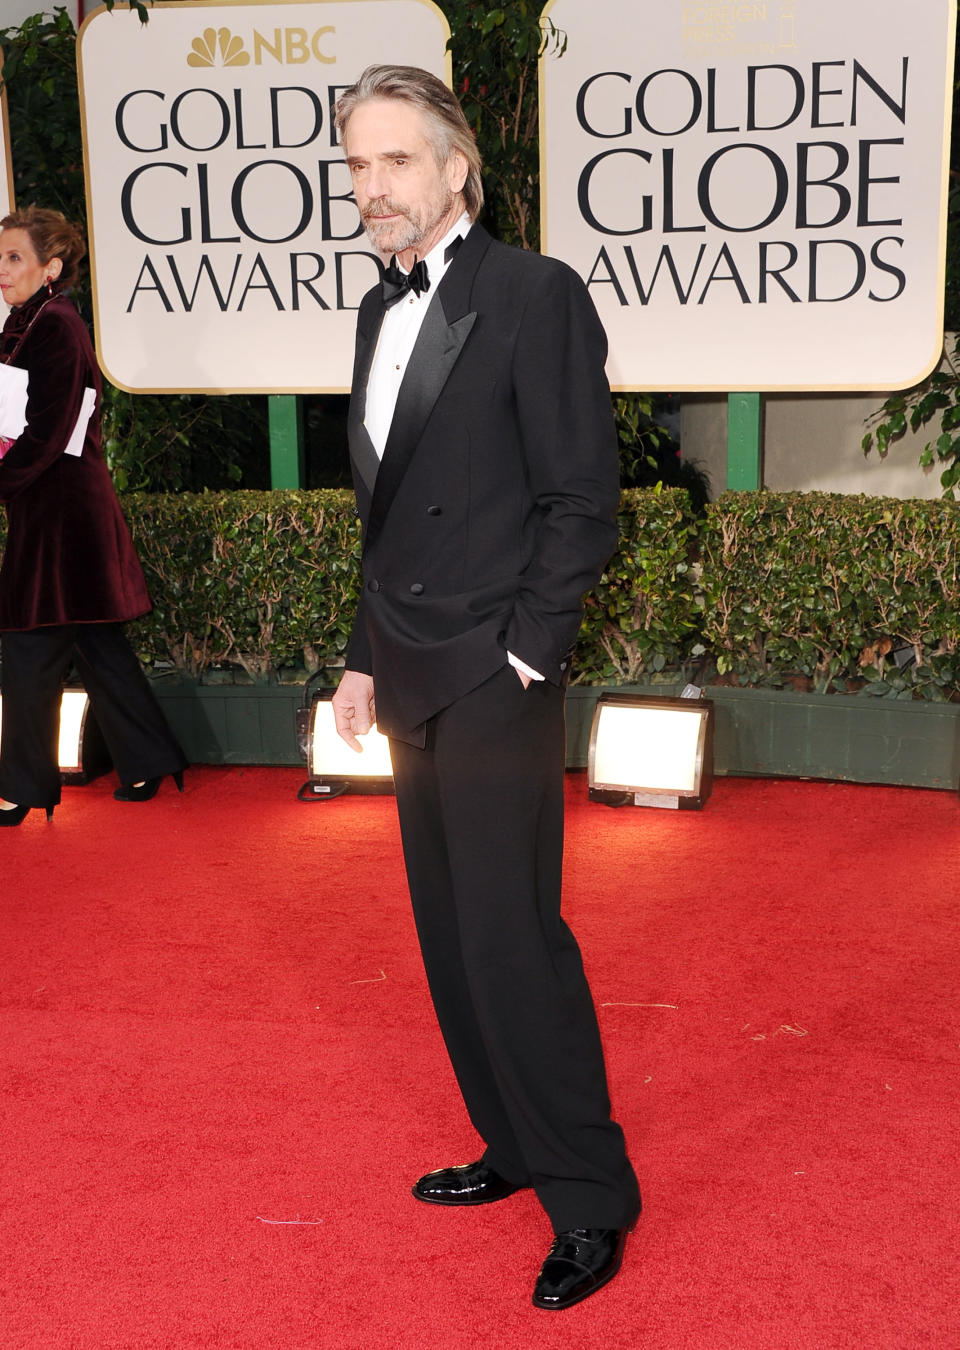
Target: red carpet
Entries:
(221, 1074)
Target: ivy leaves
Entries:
(938, 394)
(495, 53)
(40, 75)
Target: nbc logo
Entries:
(286, 46)
(204, 49)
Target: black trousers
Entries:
(481, 816)
(34, 665)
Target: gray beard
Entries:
(412, 232)
(409, 235)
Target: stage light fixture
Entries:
(651, 751)
(333, 767)
(82, 754)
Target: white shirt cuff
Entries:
(522, 666)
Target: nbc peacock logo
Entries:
(218, 46)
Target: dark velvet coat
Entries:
(69, 557)
(494, 508)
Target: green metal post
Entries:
(744, 442)
(287, 460)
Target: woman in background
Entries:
(70, 575)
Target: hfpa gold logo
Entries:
(286, 46)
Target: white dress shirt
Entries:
(398, 335)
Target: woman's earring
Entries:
(49, 285)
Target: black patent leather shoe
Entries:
(579, 1263)
(15, 815)
(469, 1184)
(146, 791)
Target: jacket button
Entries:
(416, 588)
(434, 510)
(563, 665)
(373, 585)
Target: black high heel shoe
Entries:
(13, 815)
(147, 790)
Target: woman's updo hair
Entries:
(52, 236)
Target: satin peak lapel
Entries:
(362, 452)
(435, 354)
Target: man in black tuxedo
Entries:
(485, 465)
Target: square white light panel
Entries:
(72, 705)
(647, 748)
(333, 758)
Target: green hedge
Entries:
(268, 580)
(833, 588)
(644, 616)
(835, 592)
(261, 580)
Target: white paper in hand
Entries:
(13, 401)
(75, 444)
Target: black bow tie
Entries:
(395, 284)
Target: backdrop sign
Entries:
(227, 252)
(755, 193)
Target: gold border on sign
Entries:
(5, 133)
(91, 242)
(542, 128)
(937, 340)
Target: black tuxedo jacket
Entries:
(494, 507)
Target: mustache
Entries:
(383, 207)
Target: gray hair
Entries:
(448, 128)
